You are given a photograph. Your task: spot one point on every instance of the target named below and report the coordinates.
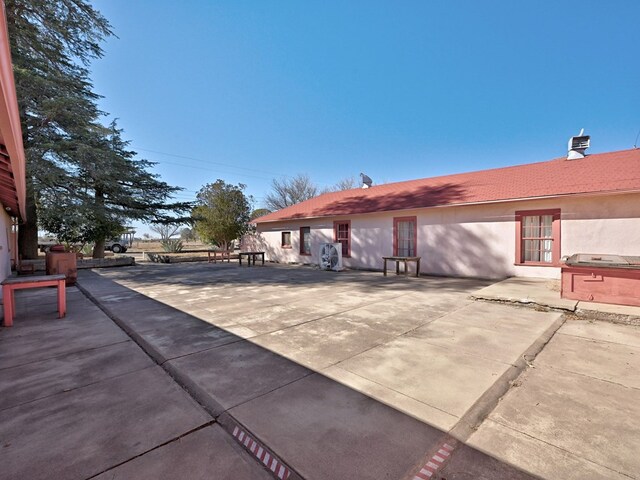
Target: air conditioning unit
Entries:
(331, 256)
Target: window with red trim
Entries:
(405, 236)
(342, 234)
(305, 240)
(538, 237)
(286, 240)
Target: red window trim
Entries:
(555, 231)
(282, 244)
(335, 234)
(302, 243)
(396, 220)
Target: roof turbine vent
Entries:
(577, 145)
(366, 181)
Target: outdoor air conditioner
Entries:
(331, 256)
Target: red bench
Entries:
(16, 283)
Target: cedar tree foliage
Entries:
(83, 184)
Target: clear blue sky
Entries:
(252, 90)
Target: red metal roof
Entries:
(597, 173)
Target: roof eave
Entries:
(11, 131)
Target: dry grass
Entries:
(155, 246)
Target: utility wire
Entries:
(163, 162)
(209, 162)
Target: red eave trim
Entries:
(10, 130)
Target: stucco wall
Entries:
(474, 240)
(5, 255)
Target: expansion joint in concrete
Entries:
(524, 304)
(219, 414)
(154, 448)
(563, 450)
(481, 409)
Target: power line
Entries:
(209, 162)
(212, 170)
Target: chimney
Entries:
(366, 181)
(577, 146)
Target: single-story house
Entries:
(513, 221)
(12, 158)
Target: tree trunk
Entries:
(28, 231)
(98, 249)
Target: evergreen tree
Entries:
(82, 182)
(106, 186)
(52, 43)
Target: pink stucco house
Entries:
(513, 221)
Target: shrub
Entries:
(172, 245)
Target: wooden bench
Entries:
(213, 255)
(404, 260)
(17, 283)
(250, 256)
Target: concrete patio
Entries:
(79, 397)
(348, 375)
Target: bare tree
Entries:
(287, 192)
(165, 230)
(345, 184)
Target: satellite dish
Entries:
(366, 181)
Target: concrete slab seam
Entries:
(146, 346)
(383, 385)
(183, 381)
(112, 467)
(67, 390)
(609, 317)
(597, 379)
(523, 303)
(326, 316)
(270, 461)
(599, 340)
(203, 350)
(61, 355)
(487, 402)
(437, 461)
(552, 445)
(155, 355)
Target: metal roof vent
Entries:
(577, 145)
(366, 181)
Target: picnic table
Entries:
(250, 256)
(403, 260)
(213, 255)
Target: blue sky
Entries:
(252, 90)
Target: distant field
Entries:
(155, 246)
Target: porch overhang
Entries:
(12, 156)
